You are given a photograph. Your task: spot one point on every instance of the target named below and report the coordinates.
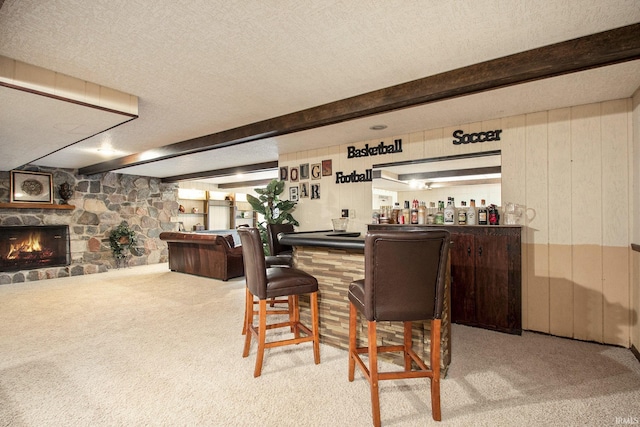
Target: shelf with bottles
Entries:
(417, 213)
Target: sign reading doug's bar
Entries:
(466, 138)
(354, 176)
(374, 150)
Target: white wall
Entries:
(573, 170)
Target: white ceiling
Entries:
(200, 67)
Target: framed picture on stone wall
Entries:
(31, 187)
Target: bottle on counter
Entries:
(483, 214)
(395, 213)
(462, 213)
(439, 217)
(422, 213)
(471, 213)
(415, 210)
(384, 215)
(449, 213)
(431, 215)
(406, 213)
(494, 215)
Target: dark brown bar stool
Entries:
(268, 283)
(284, 259)
(405, 273)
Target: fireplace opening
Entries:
(29, 247)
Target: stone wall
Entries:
(101, 203)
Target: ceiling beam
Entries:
(256, 167)
(596, 50)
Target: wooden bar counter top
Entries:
(337, 259)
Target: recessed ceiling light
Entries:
(378, 127)
(106, 151)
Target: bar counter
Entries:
(337, 259)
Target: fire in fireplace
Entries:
(29, 247)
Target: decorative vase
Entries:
(65, 193)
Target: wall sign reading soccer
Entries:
(474, 137)
(375, 150)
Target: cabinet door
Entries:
(492, 280)
(463, 293)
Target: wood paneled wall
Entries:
(635, 195)
(573, 170)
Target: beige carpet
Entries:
(145, 346)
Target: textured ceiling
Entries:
(200, 67)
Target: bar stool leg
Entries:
(262, 333)
(353, 317)
(373, 373)
(295, 302)
(435, 368)
(408, 344)
(315, 327)
(248, 322)
(292, 317)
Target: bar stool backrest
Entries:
(273, 230)
(405, 273)
(254, 264)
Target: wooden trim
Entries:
(584, 53)
(635, 247)
(35, 206)
(635, 352)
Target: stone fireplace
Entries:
(29, 247)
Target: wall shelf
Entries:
(35, 206)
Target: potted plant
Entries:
(274, 210)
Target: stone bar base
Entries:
(335, 269)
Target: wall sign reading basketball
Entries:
(375, 150)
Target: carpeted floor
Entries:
(145, 346)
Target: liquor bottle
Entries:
(431, 216)
(395, 213)
(494, 215)
(415, 211)
(462, 213)
(449, 213)
(406, 213)
(422, 213)
(483, 214)
(440, 213)
(471, 213)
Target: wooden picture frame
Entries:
(31, 187)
